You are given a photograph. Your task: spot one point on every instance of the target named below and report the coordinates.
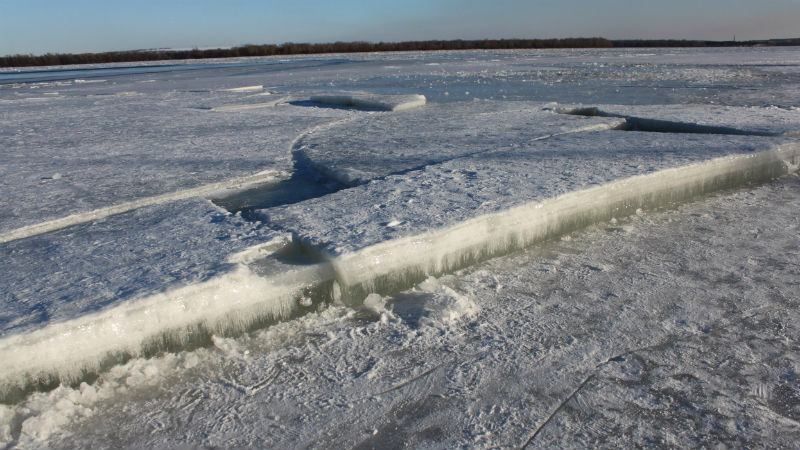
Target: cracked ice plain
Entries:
(451, 195)
(74, 154)
(91, 267)
(382, 144)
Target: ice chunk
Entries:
(379, 145)
(372, 102)
(254, 88)
(249, 106)
(468, 208)
(152, 277)
(700, 118)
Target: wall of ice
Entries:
(400, 229)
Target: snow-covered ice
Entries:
(659, 329)
(204, 254)
(110, 151)
(446, 215)
(369, 147)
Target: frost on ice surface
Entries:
(371, 102)
(382, 144)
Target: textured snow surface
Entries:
(675, 328)
(455, 191)
(382, 144)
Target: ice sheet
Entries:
(445, 215)
(357, 151)
(78, 154)
(674, 328)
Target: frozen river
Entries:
(562, 248)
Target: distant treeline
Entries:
(54, 59)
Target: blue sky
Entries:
(39, 26)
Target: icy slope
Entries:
(446, 215)
(382, 144)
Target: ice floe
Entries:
(468, 208)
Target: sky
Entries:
(41, 26)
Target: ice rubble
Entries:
(447, 215)
(154, 277)
(370, 147)
(371, 102)
(752, 120)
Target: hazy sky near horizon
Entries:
(40, 26)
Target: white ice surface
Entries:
(676, 328)
(77, 154)
(430, 219)
(369, 147)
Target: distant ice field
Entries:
(167, 217)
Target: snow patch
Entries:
(446, 306)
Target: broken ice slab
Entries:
(381, 144)
(370, 101)
(79, 155)
(147, 279)
(447, 215)
(744, 120)
(247, 106)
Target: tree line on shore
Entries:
(290, 48)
